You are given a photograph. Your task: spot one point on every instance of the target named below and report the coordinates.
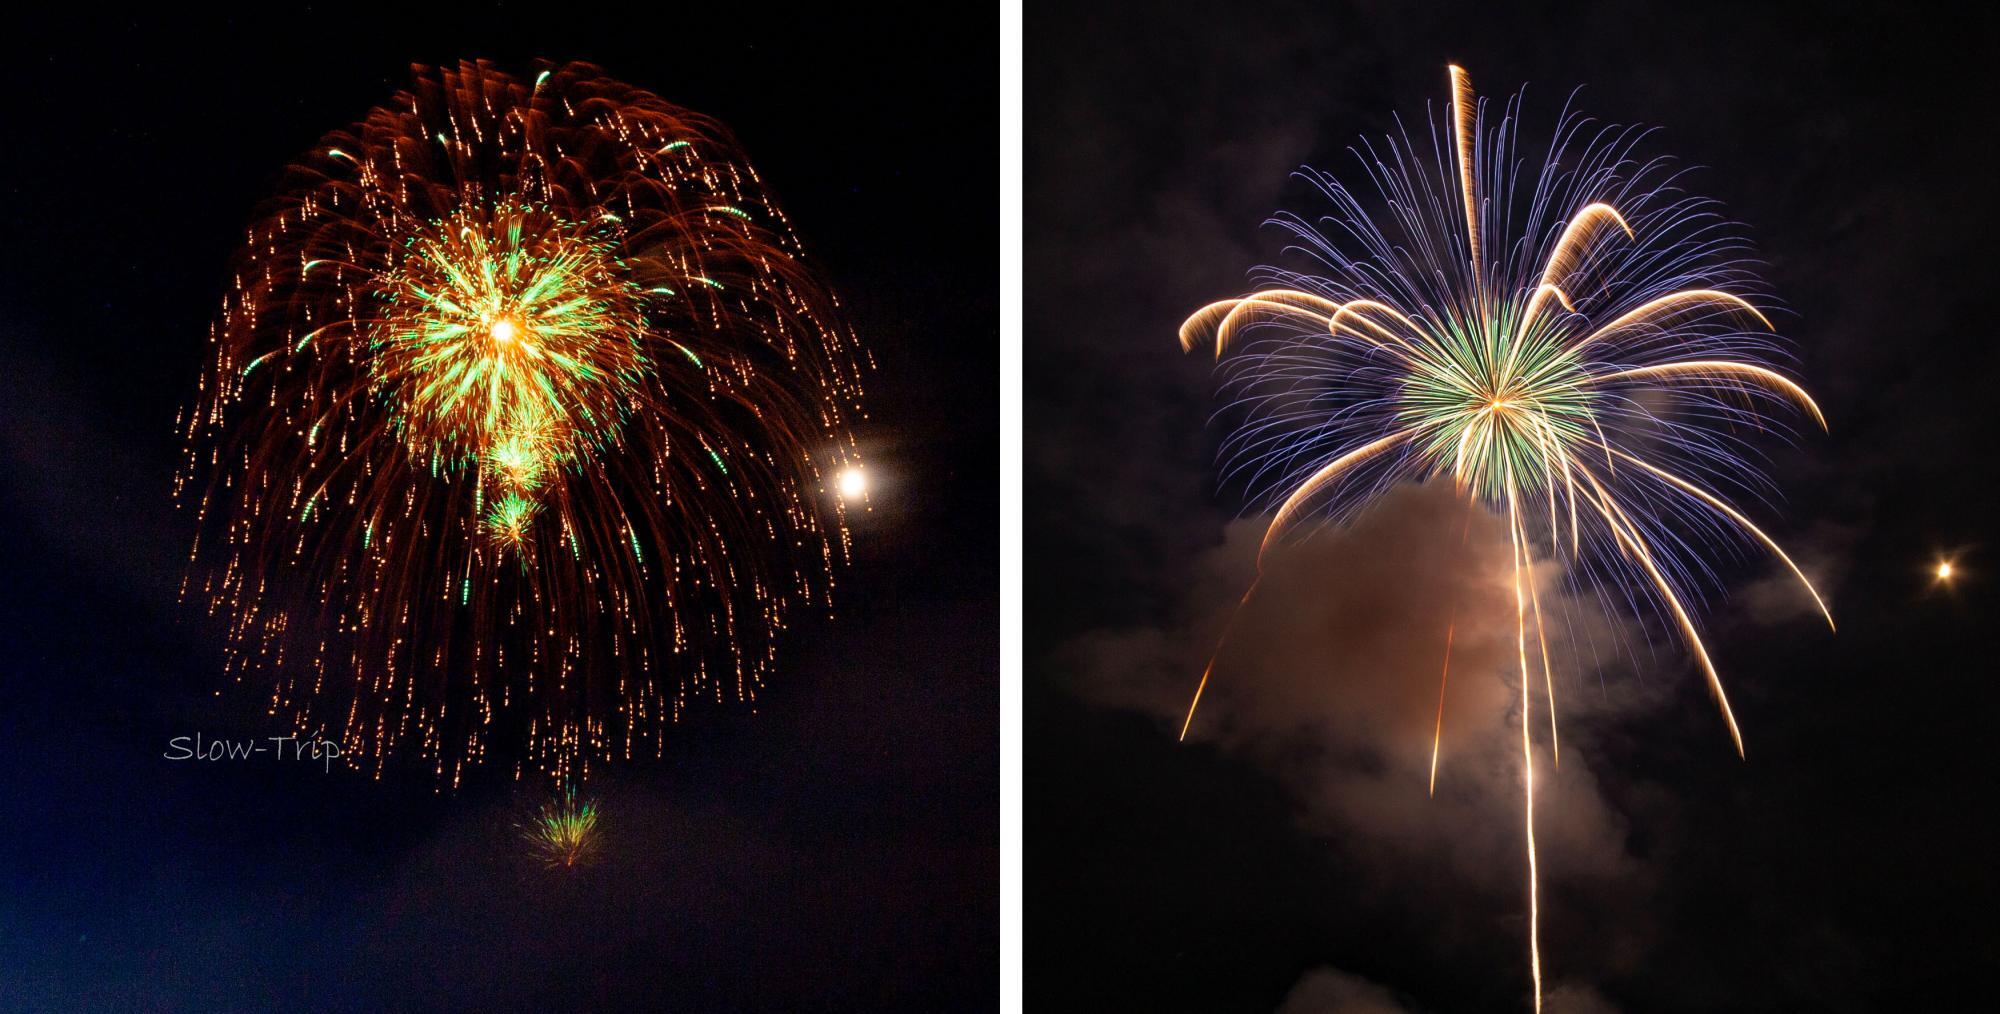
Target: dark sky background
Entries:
(1287, 854)
(838, 850)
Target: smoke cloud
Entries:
(1330, 681)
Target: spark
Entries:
(1583, 377)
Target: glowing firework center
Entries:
(1499, 409)
(508, 344)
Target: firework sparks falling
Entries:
(1583, 355)
(523, 416)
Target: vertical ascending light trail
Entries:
(1578, 347)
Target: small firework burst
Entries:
(563, 835)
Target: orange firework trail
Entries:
(1444, 677)
(1217, 653)
(1588, 346)
(521, 420)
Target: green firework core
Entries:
(1496, 404)
(509, 342)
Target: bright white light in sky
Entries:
(852, 483)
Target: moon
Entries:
(853, 484)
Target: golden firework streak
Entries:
(1464, 126)
(1437, 731)
(1628, 534)
(1217, 653)
(1463, 123)
(1527, 753)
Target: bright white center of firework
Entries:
(853, 483)
(503, 330)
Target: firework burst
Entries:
(522, 415)
(1581, 350)
(563, 834)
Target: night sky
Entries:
(835, 851)
(1292, 860)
